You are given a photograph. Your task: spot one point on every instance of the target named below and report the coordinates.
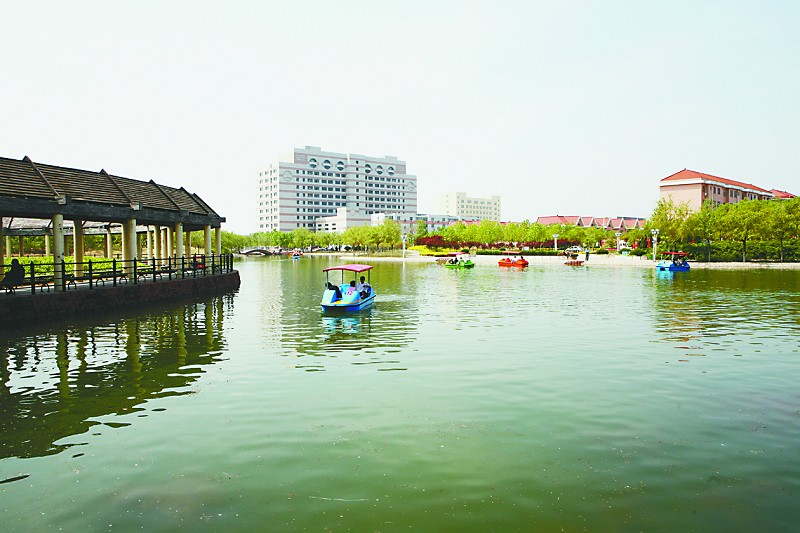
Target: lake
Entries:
(555, 398)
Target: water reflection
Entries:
(705, 311)
(373, 336)
(334, 326)
(52, 385)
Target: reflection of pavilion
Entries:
(52, 385)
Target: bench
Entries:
(148, 272)
(97, 277)
(43, 282)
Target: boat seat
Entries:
(347, 298)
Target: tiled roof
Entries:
(781, 194)
(26, 179)
(687, 174)
(557, 219)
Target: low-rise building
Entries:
(696, 187)
(463, 207)
(620, 224)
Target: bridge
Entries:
(257, 250)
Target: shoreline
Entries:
(601, 260)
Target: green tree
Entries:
(422, 228)
(740, 221)
(777, 222)
(702, 225)
(670, 219)
(389, 233)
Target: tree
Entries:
(389, 233)
(422, 228)
(702, 225)
(777, 222)
(793, 212)
(669, 218)
(739, 221)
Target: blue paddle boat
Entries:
(674, 262)
(346, 296)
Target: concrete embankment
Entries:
(22, 309)
(612, 260)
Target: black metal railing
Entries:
(97, 272)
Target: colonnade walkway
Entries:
(40, 201)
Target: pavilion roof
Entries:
(36, 190)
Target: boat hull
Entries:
(574, 263)
(509, 264)
(669, 266)
(346, 306)
(461, 265)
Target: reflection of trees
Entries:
(718, 303)
(52, 385)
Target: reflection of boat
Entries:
(344, 296)
(460, 261)
(675, 262)
(344, 324)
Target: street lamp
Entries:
(555, 241)
(403, 238)
(654, 233)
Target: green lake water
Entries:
(552, 399)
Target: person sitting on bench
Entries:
(15, 276)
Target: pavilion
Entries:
(36, 199)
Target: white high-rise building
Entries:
(463, 207)
(310, 183)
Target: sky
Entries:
(560, 107)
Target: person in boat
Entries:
(15, 275)
(684, 262)
(352, 288)
(337, 293)
(363, 287)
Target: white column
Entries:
(124, 241)
(109, 243)
(149, 242)
(134, 239)
(218, 241)
(207, 236)
(179, 240)
(47, 245)
(77, 245)
(58, 251)
(170, 246)
(129, 242)
(157, 241)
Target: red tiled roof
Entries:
(686, 174)
(782, 194)
(557, 219)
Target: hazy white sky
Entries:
(559, 107)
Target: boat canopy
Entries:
(350, 268)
